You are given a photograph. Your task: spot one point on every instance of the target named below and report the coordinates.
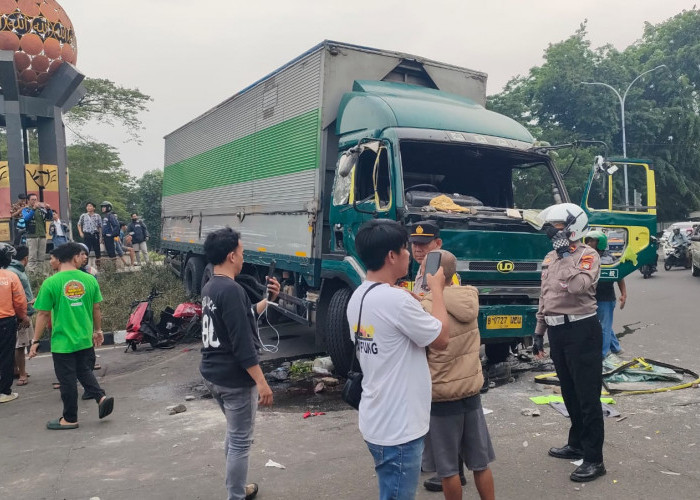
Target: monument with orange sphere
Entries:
(39, 83)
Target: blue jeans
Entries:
(59, 240)
(605, 316)
(239, 404)
(398, 469)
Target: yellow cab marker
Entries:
(191, 241)
(262, 249)
(300, 254)
(177, 239)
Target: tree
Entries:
(106, 102)
(662, 121)
(97, 174)
(146, 201)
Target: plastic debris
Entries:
(189, 398)
(313, 414)
(486, 411)
(669, 473)
(324, 363)
(577, 462)
(320, 387)
(621, 419)
(525, 444)
(272, 463)
(529, 412)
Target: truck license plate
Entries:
(503, 321)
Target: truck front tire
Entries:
(194, 270)
(338, 342)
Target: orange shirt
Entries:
(13, 302)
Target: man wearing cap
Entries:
(424, 238)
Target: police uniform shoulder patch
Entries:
(586, 262)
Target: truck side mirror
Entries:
(347, 161)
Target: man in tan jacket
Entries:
(457, 423)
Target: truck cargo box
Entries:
(258, 161)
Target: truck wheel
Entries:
(194, 270)
(206, 276)
(338, 342)
(497, 352)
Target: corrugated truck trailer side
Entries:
(262, 162)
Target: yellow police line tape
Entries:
(547, 378)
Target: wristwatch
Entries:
(35, 342)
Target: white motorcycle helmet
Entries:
(570, 214)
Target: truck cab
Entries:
(413, 154)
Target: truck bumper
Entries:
(504, 322)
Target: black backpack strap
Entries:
(359, 318)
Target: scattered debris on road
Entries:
(272, 463)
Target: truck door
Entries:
(620, 200)
(363, 189)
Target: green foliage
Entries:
(145, 199)
(662, 121)
(96, 174)
(109, 103)
(120, 289)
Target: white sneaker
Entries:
(6, 398)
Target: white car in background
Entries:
(695, 250)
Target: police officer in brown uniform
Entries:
(567, 312)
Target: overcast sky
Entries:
(192, 54)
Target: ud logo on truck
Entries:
(505, 266)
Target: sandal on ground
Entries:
(22, 381)
(56, 425)
(56, 385)
(106, 406)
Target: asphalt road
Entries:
(141, 452)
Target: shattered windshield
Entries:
(475, 176)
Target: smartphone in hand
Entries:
(432, 263)
(270, 274)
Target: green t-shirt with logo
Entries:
(69, 295)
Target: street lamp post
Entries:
(622, 99)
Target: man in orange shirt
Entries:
(13, 308)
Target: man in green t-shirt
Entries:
(70, 299)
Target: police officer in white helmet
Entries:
(567, 312)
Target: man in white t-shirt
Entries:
(393, 334)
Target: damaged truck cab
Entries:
(403, 147)
(300, 159)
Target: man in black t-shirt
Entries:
(605, 294)
(230, 364)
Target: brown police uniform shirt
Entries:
(568, 284)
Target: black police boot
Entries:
(566, 452)
(588, 471)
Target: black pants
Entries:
(8, 342)
(92, 241)
(575, 350)
(110, 247)
(71, 367)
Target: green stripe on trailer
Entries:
(288, 147)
